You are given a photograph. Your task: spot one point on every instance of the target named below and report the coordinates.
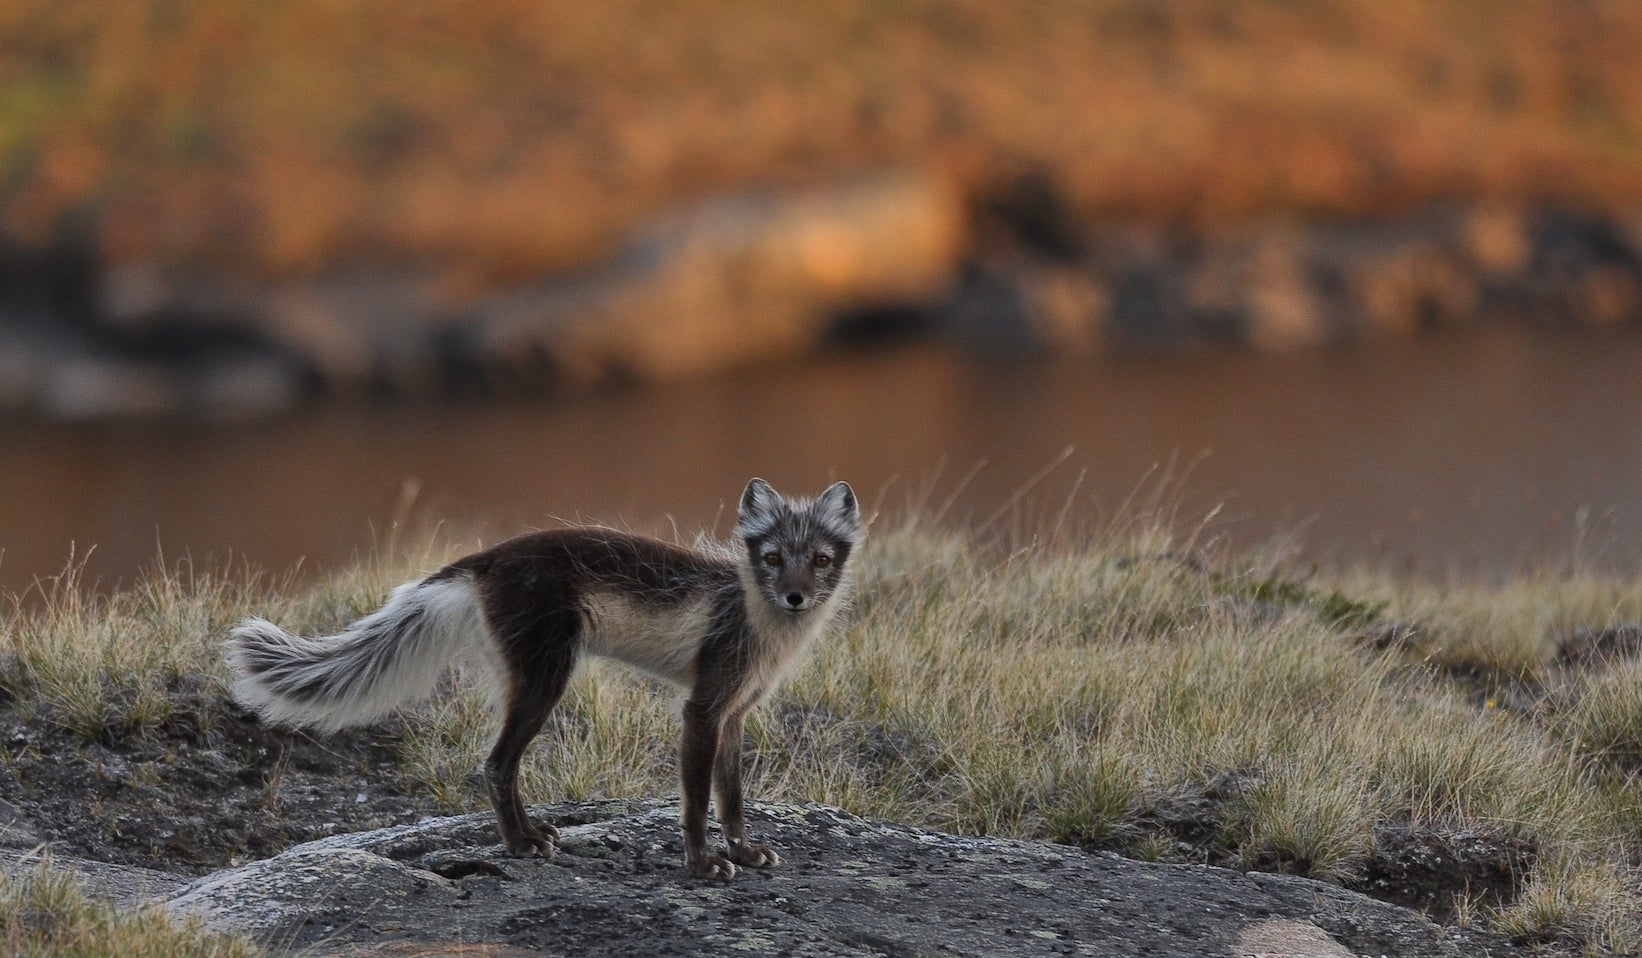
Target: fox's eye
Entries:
(772, 558)
(821, 560)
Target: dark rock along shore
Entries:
(767, 276)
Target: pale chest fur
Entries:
(779, 643)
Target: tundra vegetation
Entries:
(44, 912)
(1137, 687)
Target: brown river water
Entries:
(1485, 454)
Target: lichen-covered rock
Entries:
(846, 886)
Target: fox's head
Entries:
(797, 549)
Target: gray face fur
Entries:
(797, 549)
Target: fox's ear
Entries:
(837, 507)
(760, 505)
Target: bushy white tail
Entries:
(390, 658)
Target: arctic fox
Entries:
(724, 622)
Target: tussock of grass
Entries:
(1507, 632)
(1134, 691)
(1604, 716)
(106, 664)
(48, 913)
(1593, 901)
(109, 664)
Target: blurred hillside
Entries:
(503, 138)
(420, 158)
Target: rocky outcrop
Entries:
(847, 886)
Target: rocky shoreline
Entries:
(769, 276)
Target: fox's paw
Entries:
(753, 856)
(712, 866)
(532, 842)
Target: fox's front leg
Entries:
(702, 727)
(731, 813)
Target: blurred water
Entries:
(1482, 453)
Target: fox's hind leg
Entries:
(537, 664)
(525, 717)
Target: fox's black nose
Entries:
(795, 599)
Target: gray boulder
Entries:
(847, 886)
